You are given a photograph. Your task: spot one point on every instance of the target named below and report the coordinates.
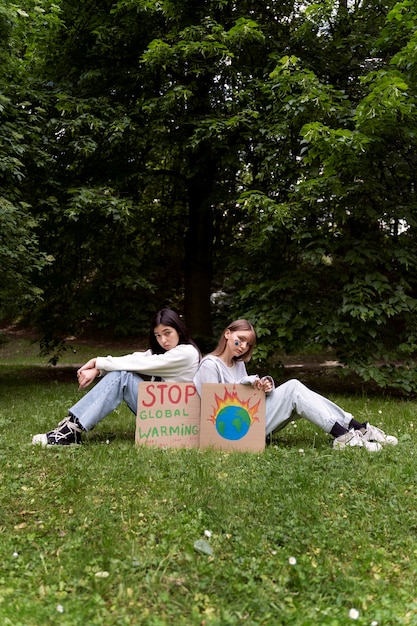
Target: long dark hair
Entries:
(233, 327)
(168, 317)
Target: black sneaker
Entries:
(66, 433)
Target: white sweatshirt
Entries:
(177, 365)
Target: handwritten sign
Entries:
(232, 417)
(168, 415)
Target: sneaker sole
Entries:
(389, 441)
(42, 440)
(376, 447)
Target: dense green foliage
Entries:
(21, 129)
(263, 152)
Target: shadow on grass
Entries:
(110, 436)
(17, 375)
(324, 380)
(333, 380)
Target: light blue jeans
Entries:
(105, 396)
(288, 402)
(293, 400)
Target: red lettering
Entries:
(170, 394)
(175, 394)
(190, 391)
(162, 387)
(149, 389)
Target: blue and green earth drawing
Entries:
(232, 422)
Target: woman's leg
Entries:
(294, 397)
(101, 400)
(105, 396)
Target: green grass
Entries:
(104, 533)
(19, 350)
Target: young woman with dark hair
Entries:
(292, 399)
(168, 317)
(173, 357)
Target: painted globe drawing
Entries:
(233, 422)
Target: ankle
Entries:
(357, 425)
(338, 430)
(75, 420)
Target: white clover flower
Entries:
(374, 623)
(380, 412)
(292, 560)
(102, 574)
(207, 533)
(107, 441)
(353, 614)
(301, 451)
(15, 555)
(60, 608)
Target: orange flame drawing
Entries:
(232, 399)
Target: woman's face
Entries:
(166, 336)
(238, 342)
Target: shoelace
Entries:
(72, 428)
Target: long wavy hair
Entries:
(233, 327)
(168, 317)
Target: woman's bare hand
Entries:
(87, 374)
(263, 384)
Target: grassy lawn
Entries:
(105, 533)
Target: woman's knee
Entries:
(118, 376)
(293, 385)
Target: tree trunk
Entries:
(199, 254)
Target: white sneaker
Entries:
(372, 433)
(354, 438)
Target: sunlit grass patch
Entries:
(106, 533)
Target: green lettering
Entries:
(144, 435)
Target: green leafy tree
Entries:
(264, 151)
(21, 259)
(149, 113)
(341, 265)
(96, 215)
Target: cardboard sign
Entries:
(168, 415)
(232, 417)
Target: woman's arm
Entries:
(180, 363)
